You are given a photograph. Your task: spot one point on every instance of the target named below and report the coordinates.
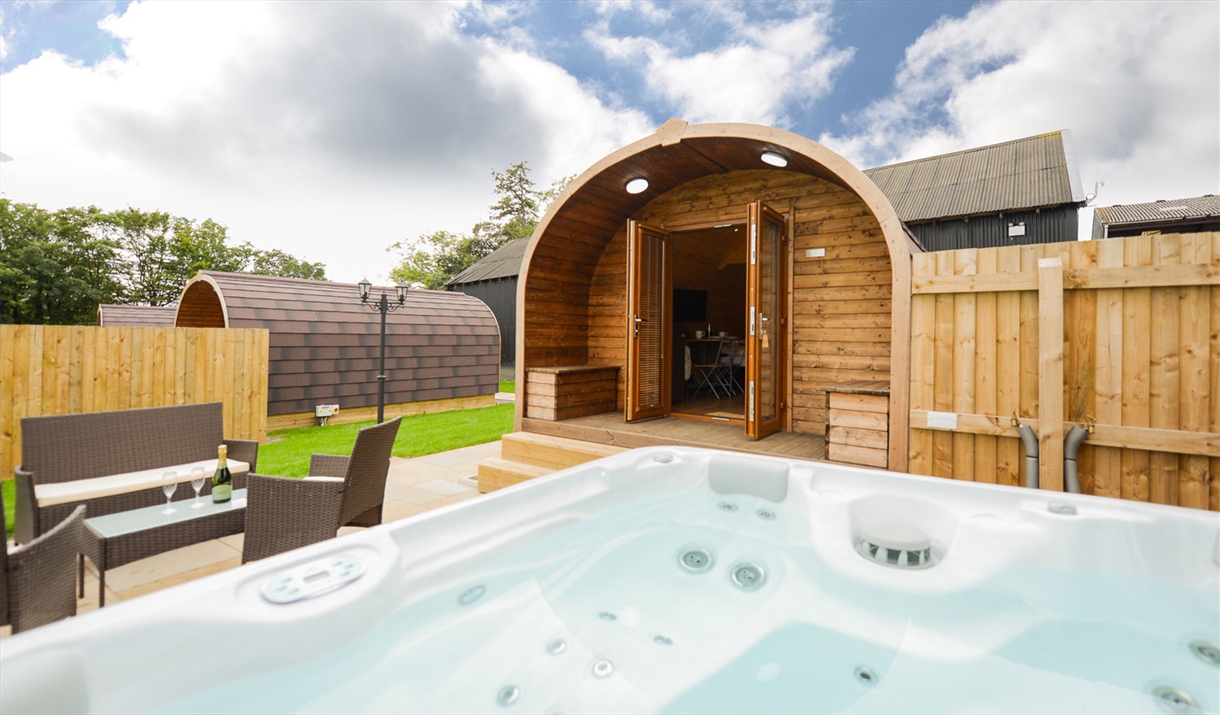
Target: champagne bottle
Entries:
(222, 480)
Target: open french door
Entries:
(767, 321)
(649, 291)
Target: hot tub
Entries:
(679, 580)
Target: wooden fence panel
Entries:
(1135, 330)
(68, 369)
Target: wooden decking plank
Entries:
(609, 429)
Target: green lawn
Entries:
(418, 435)
(508, 386)
(8, 488)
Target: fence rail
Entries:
(1121, 334)
(67, 369)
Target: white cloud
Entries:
(1137, 83)
(646, 9)
(772, 66)
(329, 130)
(4, 37)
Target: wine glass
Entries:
(169, 484)
(197, 484)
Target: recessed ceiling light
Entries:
(774, 159)
(637, 186)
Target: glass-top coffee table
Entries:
(117, 539)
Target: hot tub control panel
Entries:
(313, 579)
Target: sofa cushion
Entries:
(126, 483)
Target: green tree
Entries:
(202, 247)
(164, 252)
(434, 259)
(516, 213)
(277, 263)
(54, 268)
(149, 264)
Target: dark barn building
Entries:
(1194, 215)
(442, 349)
(1019, 192)
(493, 280)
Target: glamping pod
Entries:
(136, 316)
(442, 349)
(737, 285)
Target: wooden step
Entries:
(555, 453)
(495, 473)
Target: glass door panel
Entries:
(648, 315)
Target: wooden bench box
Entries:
(857, 423)
(561, 393)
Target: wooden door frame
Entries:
(631, 412)
(755, 428)
(694, 227)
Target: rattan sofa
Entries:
(284, 513)
(68, 451)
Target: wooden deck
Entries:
(609, 428)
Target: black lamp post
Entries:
(382, 306)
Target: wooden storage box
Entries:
(561, 393)
(857, 423)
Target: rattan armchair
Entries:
(284, 513)
(38, 579)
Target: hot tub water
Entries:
(672, 597)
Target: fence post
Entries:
(1050, 373)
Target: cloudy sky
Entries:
(332, 130)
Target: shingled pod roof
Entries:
(324, 343)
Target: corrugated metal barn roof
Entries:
(137, 316)
(504, 262)
(1025, 173)
(1156, 211)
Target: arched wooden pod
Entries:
(324, 342)
(572, 290)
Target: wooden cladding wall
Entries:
(1134, 347)
(556, 311)
(68, 369)
(841, 301)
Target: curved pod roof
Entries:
(324, 342)
(596, 204)
(680, 152)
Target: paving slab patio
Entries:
(413, 486)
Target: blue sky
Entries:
(66, 27)
(332, 130)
